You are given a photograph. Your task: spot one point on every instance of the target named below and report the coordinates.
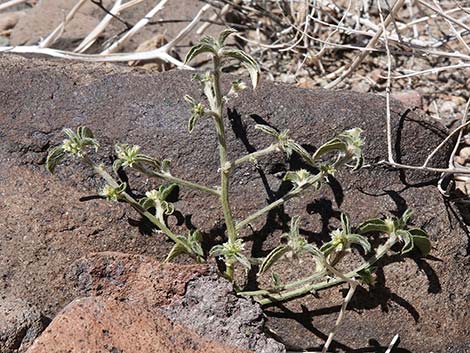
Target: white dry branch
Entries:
(425, 166)
(137, 27)
(390, 36)
(435, 32)
(11, 3)
(393, 343)
(161, 53)
(328, 20)
(353, 283)
(93, 35)
(214, 17)
(57, 33)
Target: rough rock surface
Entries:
(211, 308)
(104, 325)
(20, 324)
(131, 278)
(120, 310)
(46, 227)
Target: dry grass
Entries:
(373, 46)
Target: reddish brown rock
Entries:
(412, 99)
(129, 295)
(132, 278)
(104, 325)
(9, 20)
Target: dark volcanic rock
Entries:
(43, 221)
(211, 308)
(20, 324)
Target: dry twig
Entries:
(161, 53)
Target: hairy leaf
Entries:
(247, 61)
(217, 250)
(366, 275)
(117, 164)
(373, 225)
(177, 249)
(314, 251)
(302, 152)
(333, 145)
(142, 158)
(294, 226)
(328, 248)
(267, 130)
(70, 134)
(406, 216)
(197, 50)
(146, 203)
(276, 281)
(407, 240)
(359, 162)
(243, 260)
(85, 132)
(192, 122)
(361, 241)
(210, 41)
(166, 190)
(194, 240)
(345, 223)
(275, 255)
(54, 157)
(165, 167)
(421, 241)
(224, 35)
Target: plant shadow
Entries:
(375, 296)
(305, 319)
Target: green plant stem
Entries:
(216, 103)
(253, 156)
(278, 202)
(99, 169)
(288, 196)
(230, 271)
(268, 292)
(311, 288)
(217, 107)
(177, 180)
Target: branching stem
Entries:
(279, 202)
(314, 287)
(99, 169)
(179, 181)
(252, 157)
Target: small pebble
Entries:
(464, 154)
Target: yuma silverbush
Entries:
(331, 268)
